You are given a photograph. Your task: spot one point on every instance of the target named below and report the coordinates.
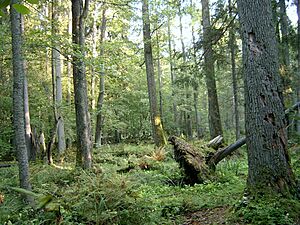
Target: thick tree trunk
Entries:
(232, 44)
(100, 118)
(18, 99)
(56, 76)
(268, 160)
(297, 2)
(157, 129)
(190, 160)
(214, 118)
(83, 126)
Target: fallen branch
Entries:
(194, 164)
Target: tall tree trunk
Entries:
(159, 74)
(175, 112)
(232, 44)
(69, 63)
(196, 84)
(157, 129)
(18, 99)
(297, 2)
(56, 76)
(214, 118)
(28, 133)
(187, 114)
(284, 35)
(268, 159)
(100, 118)
(83, 125)
(94, 53)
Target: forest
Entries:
(150, 112)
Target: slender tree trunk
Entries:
(100, 118)
(69, 63)
(95, 54)
(284, 35)
(297, 2)
(187, 114)
(157, 129)
(214, 118)
(195, 85)
(268, 159)
(175, 112)
(232, 44)
(56, 76)
(159, 73)
(83, 125)
(18, 99)
(28, 133)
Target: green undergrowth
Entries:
(127, 185)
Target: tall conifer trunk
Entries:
(214, 118)
(268, 159)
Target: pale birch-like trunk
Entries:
(56, 76)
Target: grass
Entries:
(120, 189)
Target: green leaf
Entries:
(33, 1)
(4, 3)
(1, 13)
(24, 191)
(21, 9)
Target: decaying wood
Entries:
(195, 166)
(216, 142)
(222, 153)
(192, 162)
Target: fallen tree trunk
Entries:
(190, 160)
(195, 166)
(222, 153)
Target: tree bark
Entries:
(196, 84)
(157, 129)
(159, 74)
(187, 114)
(174, 103)
(18, 99)
(297, 2)
(268, 160)
(94, 53)
(100, 118)
(214, 118)
(56, 76)
(83, 126)
(232, 46)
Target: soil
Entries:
(207, 216)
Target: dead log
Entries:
(190, 160)
(222, 153)
(216, 143)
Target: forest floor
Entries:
(133, 184)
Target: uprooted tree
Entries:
(197, 166)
